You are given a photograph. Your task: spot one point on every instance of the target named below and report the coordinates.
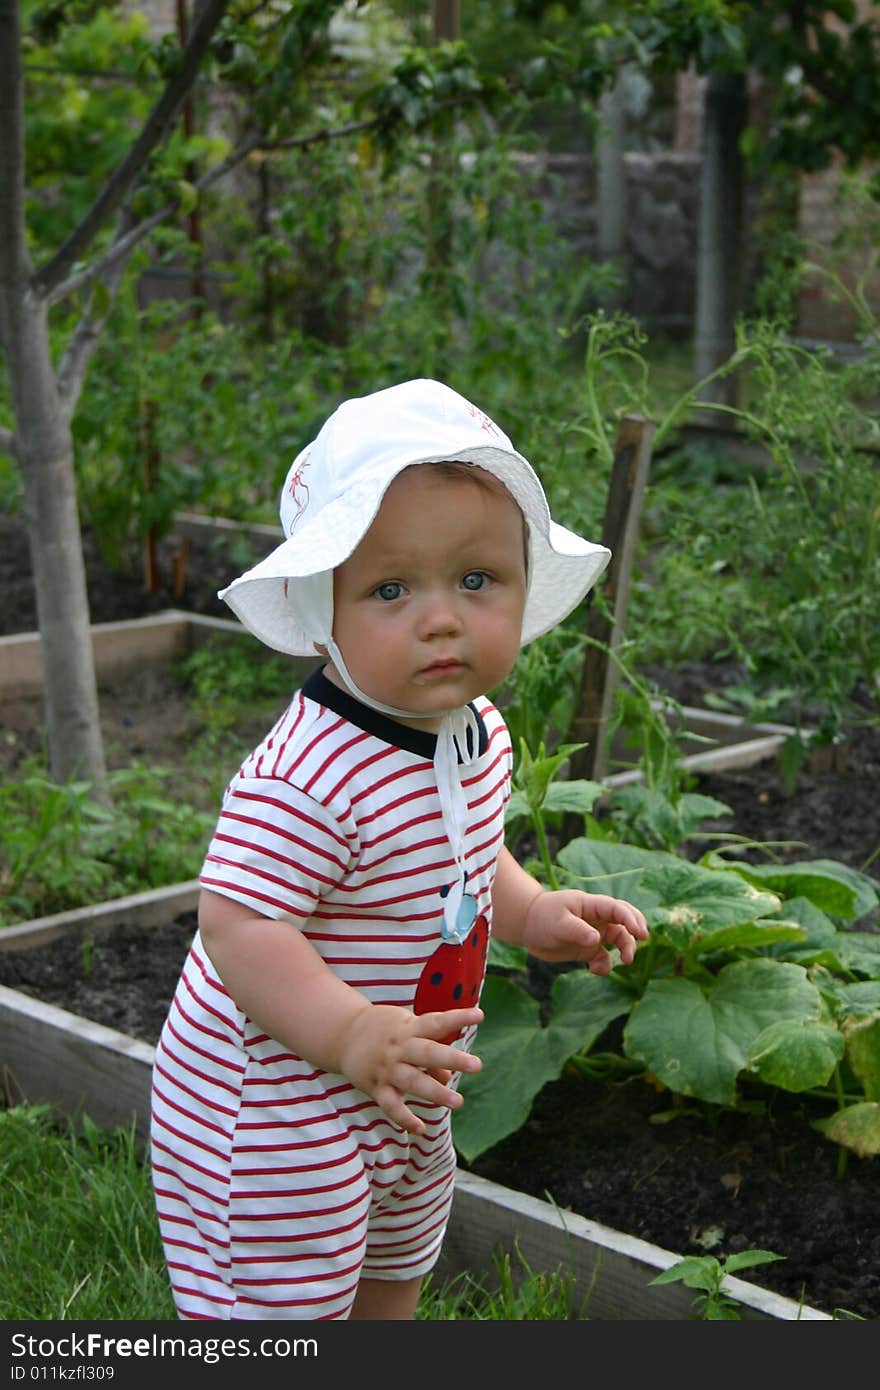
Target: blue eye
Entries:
(474, 580)
(389, 591)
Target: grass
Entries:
(81, 1206)
(80, 1203)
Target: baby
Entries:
(304, 1081)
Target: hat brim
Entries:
(563, 566)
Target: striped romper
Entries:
(277, 1184)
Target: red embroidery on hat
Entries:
(298, 491)
(485, 423)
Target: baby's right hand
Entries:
(389, 1053)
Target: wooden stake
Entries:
(620, 526)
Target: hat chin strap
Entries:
(454, 749)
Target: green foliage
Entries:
(89, 81)
(60, 848)
(790, 561)
(223, 679)
(540, 692)
(182, 415)
(183, 412)
(815, 526)
(753, 974)
(536, 797)
(704, 1272)
(516, 1293)
(81, 1204)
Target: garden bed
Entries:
(83, 997)
(743, 1182)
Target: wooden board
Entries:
(51, 1056)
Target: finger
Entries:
(433, 1057)
(615, 911)
(391, 1103)
(446, 1022)
(441, 1074)
(601, 963)
(579, 937)
(617, 935)
(633, 920)
(415, 1081)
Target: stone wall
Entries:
(659, 249)
(660, 226)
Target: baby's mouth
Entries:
(443, 666)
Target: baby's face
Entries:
(428, 609)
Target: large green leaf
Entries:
(818, 937)
(675, 892)
(604, 866)
(856, 999)
(796, 1053)
(696, 1041)
(576, 796)
(857, 1128)
(859, 952)
(863, 1051)
(505, 956)
(705, 900)
(833, 887)
(764, 933)
(520, 1055)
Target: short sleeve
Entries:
(275, 849)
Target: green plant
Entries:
(779, 566)
(536, 798)
(660, 811)
(81, 1205)
(43, 825)
(223, 678)
(60, 848)
(517, 1293)
(754, 975)
(184, 414)
(539, 693)
(714, 1303)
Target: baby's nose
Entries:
(439, 614)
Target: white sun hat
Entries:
(335, 486)
(332, 493)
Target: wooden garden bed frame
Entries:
(51, 1056)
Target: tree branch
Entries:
(125, 244)
(14, 259)
(126, 241)
(111, 197)
(77, 354)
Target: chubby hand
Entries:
(572, 925)
(390, 1053)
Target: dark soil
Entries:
(702, 1183)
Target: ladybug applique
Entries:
(452, 976)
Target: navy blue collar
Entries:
(324, 692)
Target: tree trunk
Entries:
(43, 398)
(720, 234)
(44, 449)
(45, 456)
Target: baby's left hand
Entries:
(572, 925)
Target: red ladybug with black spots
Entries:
(453, 976)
